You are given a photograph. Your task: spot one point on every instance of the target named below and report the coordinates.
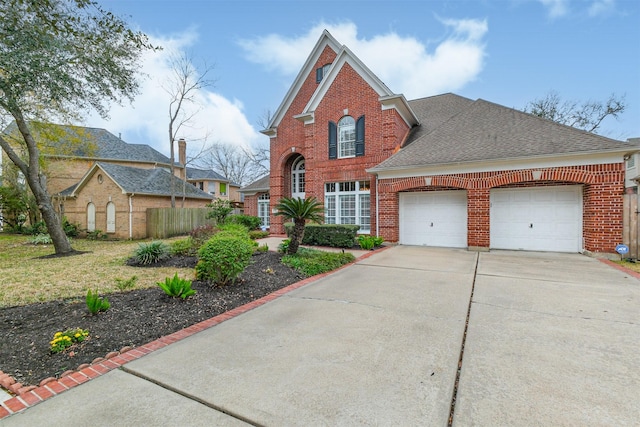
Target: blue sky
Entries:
(509, 52)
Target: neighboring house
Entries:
(438, 171)
(215, 184)
(257, 200)
(103, 183)
(115, 198)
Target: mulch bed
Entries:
(135, 318)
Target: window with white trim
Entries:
(263, 210)
(348, 203)
(297, 178)
(346, 137)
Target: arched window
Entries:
(346, 137)
(91, 217)
(111, 217)
(297, 178)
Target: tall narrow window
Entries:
(346, 137)
(91, 217)
(223, 189)
(263, 210)
(297, 178)
(111, 217)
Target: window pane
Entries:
(346, 137)
(330, 209)
(348, 209)
(365, 212)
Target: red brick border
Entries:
(621, 268)
(30, 396)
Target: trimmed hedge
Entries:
(333, 235)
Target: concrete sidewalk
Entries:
(551, 340)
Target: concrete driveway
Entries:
(551, 340)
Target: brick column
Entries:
(478, 207)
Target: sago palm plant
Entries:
(300, 211)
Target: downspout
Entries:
(131, 216)
(377, 209)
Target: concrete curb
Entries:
(27, 397)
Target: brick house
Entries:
(101, 182)
(438, 171)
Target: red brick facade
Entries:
(385, 130)
(603, 186)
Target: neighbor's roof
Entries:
(154, 182)
(261, 184)
(208, 174)
(484, 131)
(95, 143)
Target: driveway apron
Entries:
(552, 340)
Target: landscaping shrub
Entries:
(151, 253)
(236, 229)
(96, 235)
(258, 234)
(36, 228)
(223, 257)
(71, 230)
(263, 248)
(333, 235)
(176, 287)
(183, 247)
(220, 210)
(367, 242)
(95, 304)
(251, 222)
(41, 239)
(201, 234)
(311, 261)
(124, 284)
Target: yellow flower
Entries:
(57, 334)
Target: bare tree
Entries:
(587, 115)
(232, 162)
(183, 87)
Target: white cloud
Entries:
(218, 119)
(556, 8)
(600, 7)
(403, 63)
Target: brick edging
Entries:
(621, 268)
(27, 397)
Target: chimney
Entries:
(182, 157)
(182, 152)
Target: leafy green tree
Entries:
(220, 210)
(586, 115)
(300, 211)
(58, 59)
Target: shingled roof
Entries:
(484, 131)
(94, 143)
(261, 184)
(154, 182)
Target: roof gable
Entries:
(325, 40)
(131, 180)
(387, 98)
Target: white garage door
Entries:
(537, 219)
(435, 218)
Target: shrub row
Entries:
(333, 235)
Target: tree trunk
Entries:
(296, 236)
(38, 185)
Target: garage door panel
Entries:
(437, 218)
(542, 219)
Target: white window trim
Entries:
(361, 188)
(342, 142)
(263, 208)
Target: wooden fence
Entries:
(630, 224)
(168, 222)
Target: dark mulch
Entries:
(135, 318)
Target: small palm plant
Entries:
(300, 211)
